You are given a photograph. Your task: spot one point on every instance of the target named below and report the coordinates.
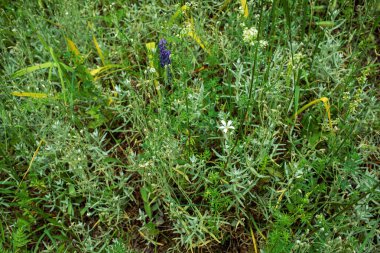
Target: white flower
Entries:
(263, 43)
(152, 70)
(241, 10)
(193, 159)
(226, 126)
(249, 35)
(117, 89)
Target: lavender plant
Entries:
(164, 55)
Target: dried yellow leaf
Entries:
(72, 47)
(29, 94)
(100, 53)
(245, 7)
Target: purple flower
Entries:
(164, 53)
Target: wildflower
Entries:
(249, 35)
(193, 159)
(164, 53)
(187, 28)
(226, 126)
(263, 43)
(346, 95)
(150, 70)
(298, 57)
(118, 89)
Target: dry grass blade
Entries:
(253, 239)
(178, 14)
(33, 158)
(100, 70)
(325, 101)
(29, 94)
(72, 47)
(280, 197)
(245, 7)
(30, 164)
(191, 33)
(100, 53)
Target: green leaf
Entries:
(326, 23)
(70, 209)
(145, 192)
(296, 97)
(19, 238)
(151, 229)
(72, 190)
(31, 69)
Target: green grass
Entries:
(98, 153)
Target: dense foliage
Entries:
(206, 126)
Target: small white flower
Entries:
(249, 35)
(152, 70)
(117, 89)
(241, 10)
(263, 43)
(226, 126)
(193, 159)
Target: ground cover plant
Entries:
(178, 126)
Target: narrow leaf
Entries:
(178, 14)
(253, 239)
(29, 94)
(326, 23)
(72, 47)
(245, 7)
(97, 71)
(60, 74)
(191, 33)
(296, 97)
(325, 101)
(100, 53)
(31, 69)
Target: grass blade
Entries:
(325, 101)
(29, 94)
(100, 53)
(253, 239)
(31, 69)
(60, 73)
(178, 14)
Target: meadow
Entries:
(189, 126)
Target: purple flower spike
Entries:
(164, 53)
